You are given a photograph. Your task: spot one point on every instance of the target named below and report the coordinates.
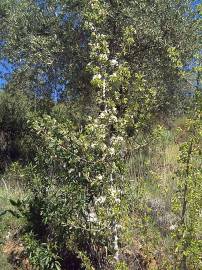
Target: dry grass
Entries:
(152, 171)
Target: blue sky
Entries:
(196, 2)
(5, 70)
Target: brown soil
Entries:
(15, 252)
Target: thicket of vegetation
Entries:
(100, 134)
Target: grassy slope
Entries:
(153, 175)
(8, 223)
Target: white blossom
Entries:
(113, 75)
(93, 145)
(99, 177)
(71, 170)
(113, 62)
(113, 118)
(113, 192)
(92, 216)
(103, 114)
(117, 200)
(112, 151)
(103, 56)
(100, 200)
(173, 227)
(97, 76)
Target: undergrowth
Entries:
(9, 224)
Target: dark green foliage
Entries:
(16, 142)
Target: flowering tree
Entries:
(78, 203)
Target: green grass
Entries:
(8, 223)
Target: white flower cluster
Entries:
(99, 177)
(90, 25)
(100, 200)
(113, 118)
(111, 151)
(103, 57)
(71, 170)
(117, 139)
(115, 194)
(113, 76)
(92, 217)
(104, 114)
(114, 62)
(97, 76)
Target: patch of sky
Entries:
(6, 69)
(196, 3)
